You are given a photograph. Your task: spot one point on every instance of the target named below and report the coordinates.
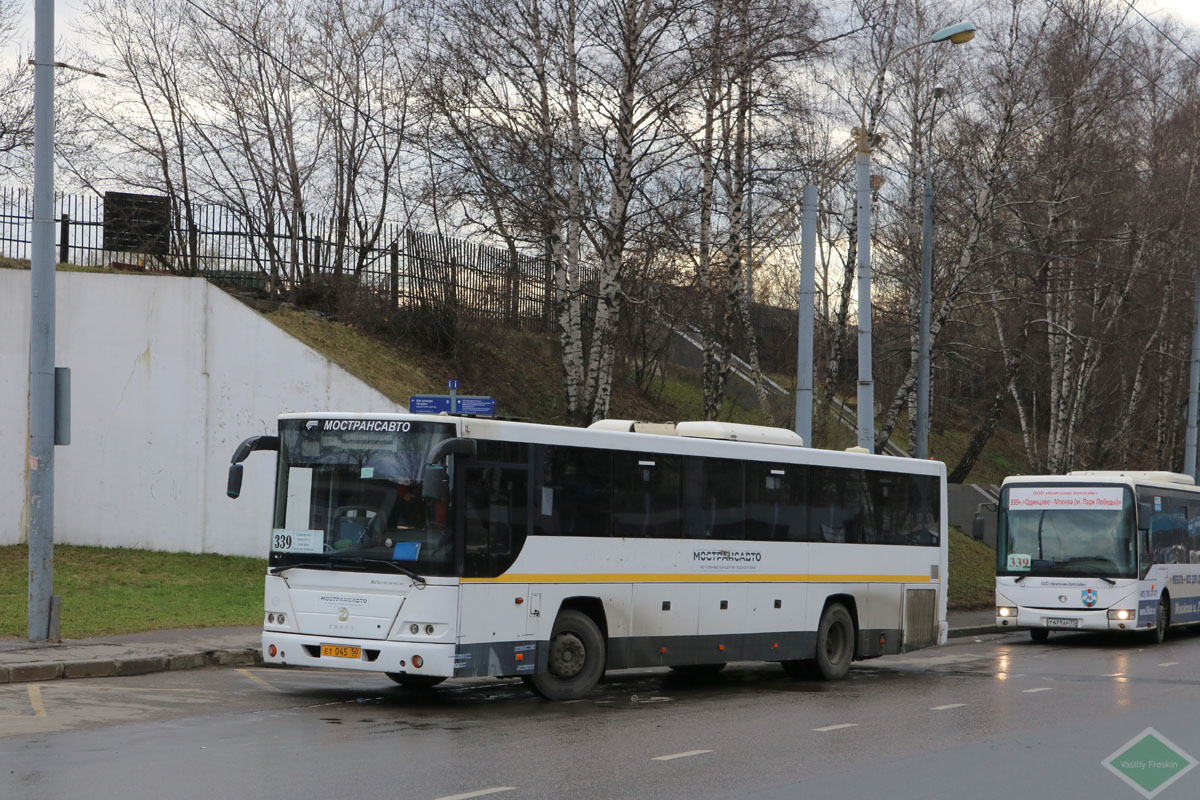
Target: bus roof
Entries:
(1123, 477)
(657, 441)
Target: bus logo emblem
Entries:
(1089, 597)
(344, 614)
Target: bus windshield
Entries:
(1067, 530)
(349, 495)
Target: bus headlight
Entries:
(1120, 613)
(1006, 611)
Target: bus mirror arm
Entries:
(457, 446)
(234, 486)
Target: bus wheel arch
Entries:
(837, 637)
(1162, 619)
(820, 667)
(851, 606)
(592, 606)
(575, 658)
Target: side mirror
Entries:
(977, 527)
(234, 487)
(435, 484)
(255, 443)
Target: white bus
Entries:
(432, 547)
(1101, 551)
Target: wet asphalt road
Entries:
(998, 717)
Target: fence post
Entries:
(64, 239)
(395, 259)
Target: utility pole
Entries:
(923, 339)
(1189, 458)
(866, 386)
(41, 333)
(804, 354)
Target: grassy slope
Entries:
(114, 590)
(972, 572)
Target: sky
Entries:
(67, 12)
(1188, 11)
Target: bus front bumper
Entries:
(369, 655)
(1066, 620)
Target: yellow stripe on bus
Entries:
(693, 578)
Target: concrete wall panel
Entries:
(168, 375)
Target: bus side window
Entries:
(494, 517)
(573, 493)
(775, 502)
(713, 498)
(646, 495)
(837, 509)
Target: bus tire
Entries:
(574, 660)
(835, 643)
(1039, 634)
(410, 681)
(1159, 632)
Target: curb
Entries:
(979, 630)
(136, 665)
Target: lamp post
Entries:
(955, 34)
(922, 425)
(41, 334)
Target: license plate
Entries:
(1054, 622)
(340, 651)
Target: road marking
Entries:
(947, 707)
(91, 687)
(35, 700)
(680, 755)
(480, 793)
(261, 682)
(1039, 689)
(1168, 663)
(837, 727)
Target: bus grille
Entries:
(920, 618)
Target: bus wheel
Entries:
(1039, 634)
(835, 643)
(1159, 631)
(575, 660)
(415, 681)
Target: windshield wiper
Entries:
(1091, 574)
(1021, 577)
(416, 579)
(310, 565)
(336, 562)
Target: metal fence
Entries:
(403, 266)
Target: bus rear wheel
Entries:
(415, 681)
(575, 658)
(835, 643)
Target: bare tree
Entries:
(16, 94)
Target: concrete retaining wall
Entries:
(167, 375)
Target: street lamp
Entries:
(922, 423)
(955, 34)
